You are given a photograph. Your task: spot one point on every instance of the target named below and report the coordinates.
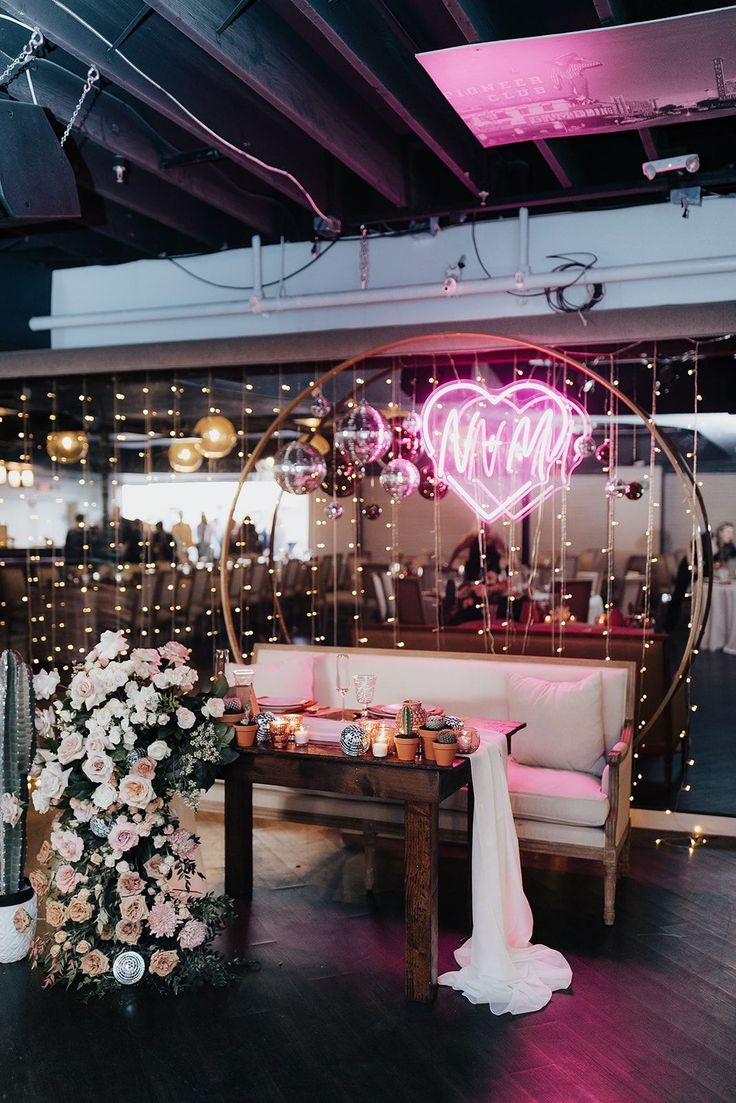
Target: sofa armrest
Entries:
(620, 769)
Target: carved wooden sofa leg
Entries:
(609, 889)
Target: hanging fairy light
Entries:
(185, 456)
(67, 445)
(216, 436)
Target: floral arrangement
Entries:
(119, 876)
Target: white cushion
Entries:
(564, 723)
(556, 796)
(281, 675)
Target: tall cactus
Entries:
(17, 748)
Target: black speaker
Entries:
(36, 180)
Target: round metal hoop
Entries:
(701, 592)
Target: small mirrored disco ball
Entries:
(128, 967)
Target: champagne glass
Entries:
(342, 678)
(365, 685)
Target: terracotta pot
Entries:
(428, 738)
(444, 753)
(406, 747)
(245, 734)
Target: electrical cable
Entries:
(241, 153)
(271, 283)
(556, 299)
(477, 251)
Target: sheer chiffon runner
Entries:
(498, 964)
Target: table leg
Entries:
(469, 858)
(421, 823)
(238, 836)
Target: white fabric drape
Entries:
(498, 964)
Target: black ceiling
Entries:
(328, 90)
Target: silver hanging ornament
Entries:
(128, 967)
(99, 827)
(615, 488)
(400, 479)
(334, 511)
(586, 447)
(132, 758)
(299, 468)
(319, 406)
(363, 435)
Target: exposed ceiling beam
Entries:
(554, 162)
(148, 195)
(137, 231)
(80, 245)
(118, 127)
(264, 53)
(173, 63)
(649, 143)
(369, 47)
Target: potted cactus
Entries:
(428, 732)
(18, 905)
(445, 747)
(406, 740)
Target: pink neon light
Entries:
(504, 452)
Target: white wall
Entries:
(719, 493)
(630, 236)
(46, 511)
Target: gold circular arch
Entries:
(701, 592)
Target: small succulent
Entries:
(447, 736)
(435, 723)
(453, 722)
(232, 706)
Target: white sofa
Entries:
(579, 813)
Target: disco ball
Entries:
(405, 444)
(615, 488)
(133, 757)
(216, 436)
(363, 435)
(298, 468)
(400, 479)
(633, 491)
(128, 967)
(319, 406)
(586, 447)
(334, 511)
(372, 511)
(99, 827)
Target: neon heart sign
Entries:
(504, 452)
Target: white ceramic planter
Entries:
(16, 932)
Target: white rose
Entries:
(113, 676)
(44, 721)
(86, 690)
(111, 644)
(11, 809)
(162, 719)
(52, 781)
(40, 801)
(185, 718)
(135, 791)
(158, 750)
(104, 795)
(70, 748)
(45, 683)
(95, 744)
(214, 707)
(98, 767)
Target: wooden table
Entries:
(322, 766)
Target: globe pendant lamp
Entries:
(67, 446)
(184, 456)
(216, 436)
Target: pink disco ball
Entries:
(400, 479)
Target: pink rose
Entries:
(193, 934)
(111, 645)
(135, 791)
(128, 931)
(123, 836)
(185, 718)
(162, 920)
(144, 767)
(39, 882)
(133, 908)
(174, 653)
(95, 744)
(67, 879)
(70, 748)
(98, 768)
(86, 690)
(94, 964)
(11, 809)
(67, 844)
(162, 962)
(156, 867)
(130, 884)
(183, 843)
(21, 920)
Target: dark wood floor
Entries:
(650, 1017)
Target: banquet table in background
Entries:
(720, 628)
(498, 965)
